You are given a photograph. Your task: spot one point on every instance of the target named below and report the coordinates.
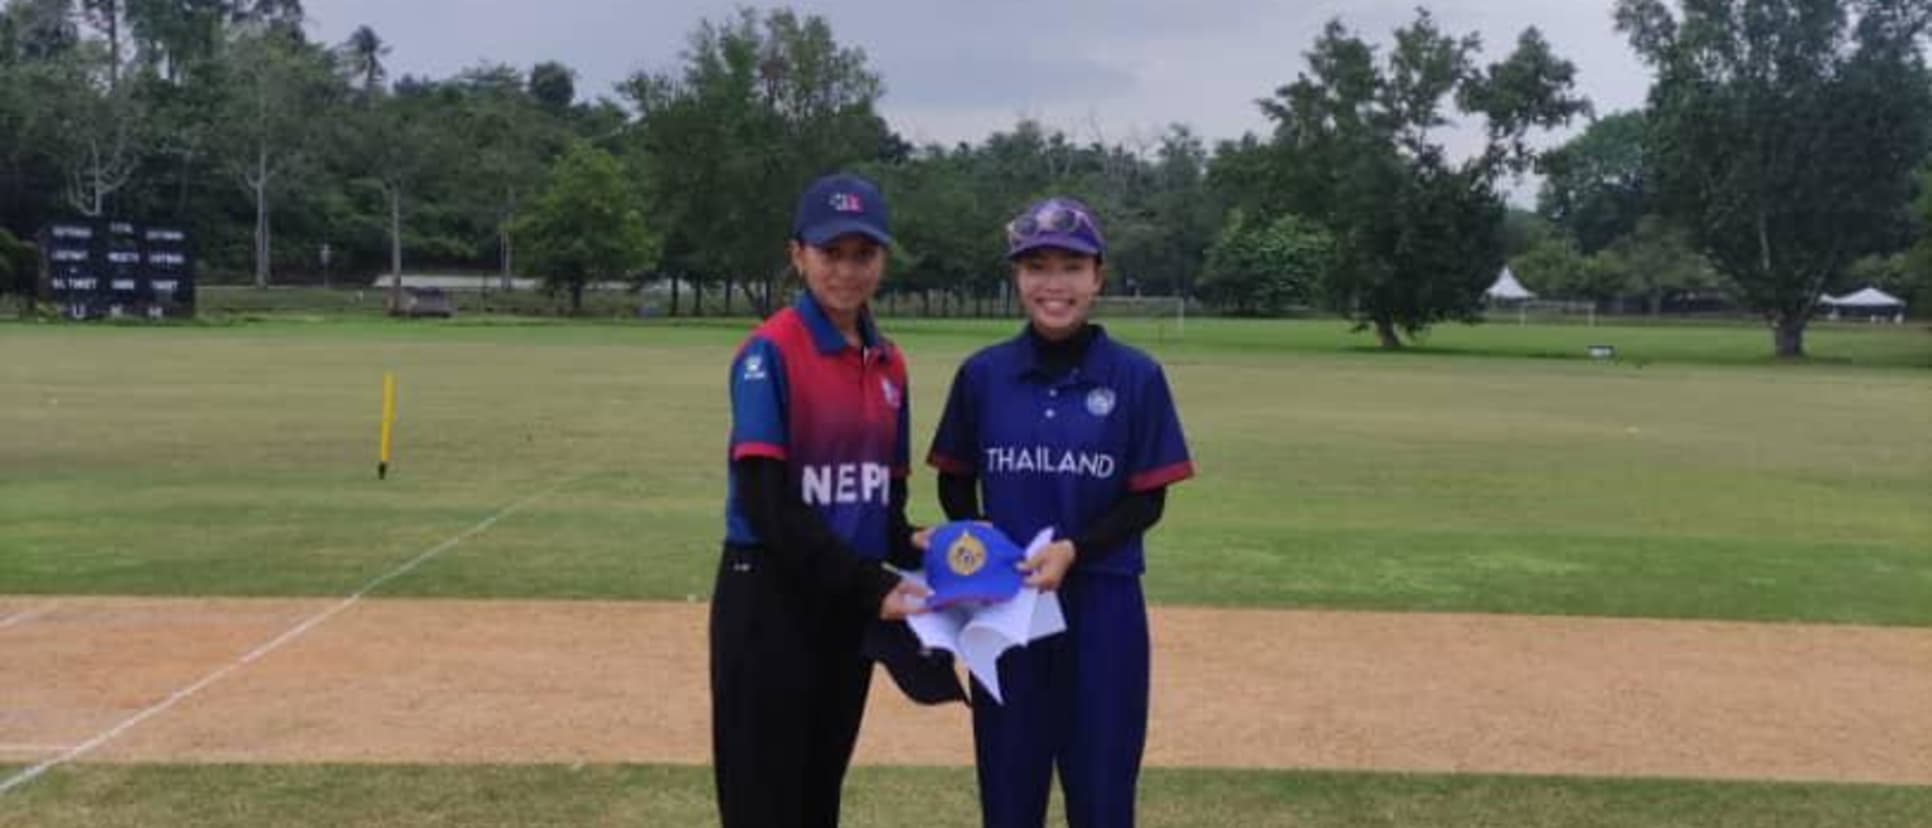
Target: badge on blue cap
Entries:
(980, 605)
(968, 562)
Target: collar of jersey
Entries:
(1029, 362)
(825, 335)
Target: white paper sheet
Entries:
(978, 635)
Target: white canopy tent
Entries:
(1869, 302)
(1870, 297)
(1507, 289)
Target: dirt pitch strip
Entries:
(129, 680)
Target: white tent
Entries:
(1870, 297)
(1508, 289)
(1870, 303)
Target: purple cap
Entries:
(840, 205)
(1062, 223)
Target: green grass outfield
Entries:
(1694, 478)
(295, 796)
(239, 460)
(1638, 339)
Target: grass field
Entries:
(1638, 339)
(126, 797)
(1495, 469)
(239, 461)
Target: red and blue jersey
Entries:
(836, 414)
(1058, 452)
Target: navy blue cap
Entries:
(837, 205)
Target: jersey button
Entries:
(1054, 393)
(1050, 414)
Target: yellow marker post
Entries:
(388, 417)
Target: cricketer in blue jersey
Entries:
(1064, 427)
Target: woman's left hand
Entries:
(1048, 567)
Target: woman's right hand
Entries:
(906, 599)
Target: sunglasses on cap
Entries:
(1054, 223)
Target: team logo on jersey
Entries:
(966, 556)
(1100, 402)
(755, 368)
(891, 392)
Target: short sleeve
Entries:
(758, 402)
(955, 444)
(1158, 454)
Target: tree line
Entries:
(1781, 154)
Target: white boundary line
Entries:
(30, 774)
(23, 617)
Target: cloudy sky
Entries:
(959, 69)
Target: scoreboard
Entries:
(118, 269)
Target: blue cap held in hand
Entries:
(968, 562)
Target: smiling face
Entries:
(842, 275)
(1057, 288)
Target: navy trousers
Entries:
(1076, 702)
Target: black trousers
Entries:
(788, 689)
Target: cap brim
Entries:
(1055, 241)
(943, 599)
(826, 233)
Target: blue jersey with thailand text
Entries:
(836, 414)
(1059, 452)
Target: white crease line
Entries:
(32, 773)
(23, 617)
